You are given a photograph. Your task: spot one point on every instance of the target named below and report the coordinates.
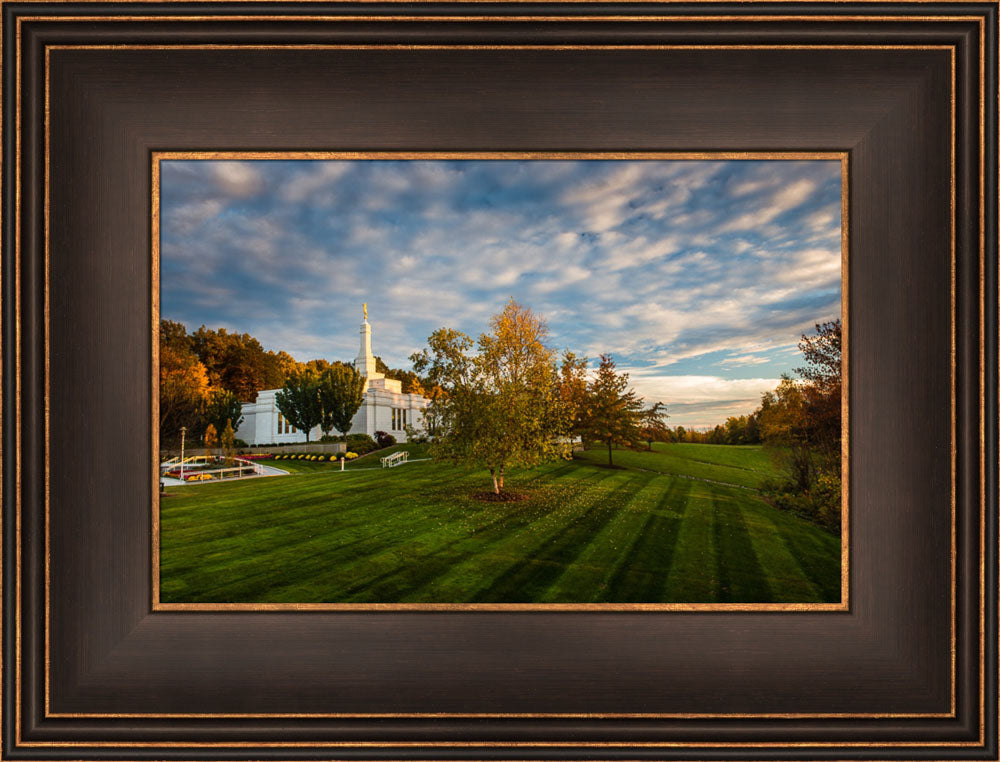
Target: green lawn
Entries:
(745, 466)
(662, 529)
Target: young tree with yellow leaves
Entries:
(499, 407)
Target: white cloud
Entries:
(239, 179)
(700, 401)
(782, 201)
(748, 360)
(184, 219)
(322, 176)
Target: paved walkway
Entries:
(169, 481)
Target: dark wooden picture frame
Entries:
(91, 90)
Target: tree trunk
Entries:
(609, 452)
(496, 487)
(501, 478)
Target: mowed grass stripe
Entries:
(541, 564)
(738, 570)
(269, 536)
(492, 556)
(639, 575)
(667, 462)
(692, 575)
(748, 457)
(598, 561)
(587, 533)
(817, 553)
(777, 562)
(440, 538)
(479, 532)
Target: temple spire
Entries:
(364, 363)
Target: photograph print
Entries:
(471, 382)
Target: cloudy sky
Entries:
(697, 276)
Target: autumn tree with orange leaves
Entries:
(800, 421)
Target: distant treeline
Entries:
(742, 430)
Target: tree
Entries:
(341, 392)
(238, 362)
(411, 383)
(614, 411)
(211, 439)
(822, 354)
(174, 335)
(183, 390)
(227, 440)
(430, 415)
(573, 391)
(223, 409)
(822, 371)
(499, 406)
(299, 401)
(653, 424)
(801, 423)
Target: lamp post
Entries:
(183, 430)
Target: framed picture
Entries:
(150, 153)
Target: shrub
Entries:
(385, 439)
(350, 455)
(412, 435)
(820, 504)
(362, 443)
(328, 438)
(239, 443)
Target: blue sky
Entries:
(697, 276)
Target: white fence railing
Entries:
(398, 458)
(229, 468)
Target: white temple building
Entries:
(385, 407)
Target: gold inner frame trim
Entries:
(17, 423)
(527, 18)
(249, 155)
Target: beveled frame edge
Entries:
(842, 156)
(985, 350)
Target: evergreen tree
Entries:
(614, 411)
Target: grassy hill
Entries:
(743, 466)
(680, 524)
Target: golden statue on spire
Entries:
(364, 308)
